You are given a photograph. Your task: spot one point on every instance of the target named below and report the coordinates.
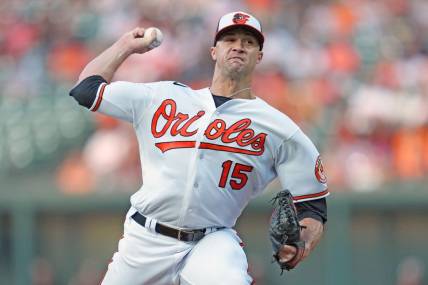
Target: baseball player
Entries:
(206, 154)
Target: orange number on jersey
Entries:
(238, 178)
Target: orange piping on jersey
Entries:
(100, 98)
(165, 146)
(325, 192)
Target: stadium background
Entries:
(353, 74)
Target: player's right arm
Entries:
(123, 100)
(106, 64)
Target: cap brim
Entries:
(259, 36)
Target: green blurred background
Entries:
(353, 74)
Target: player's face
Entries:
(237, 53)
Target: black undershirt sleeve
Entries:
(86, 91)
(316, 209)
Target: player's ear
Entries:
(213, 53)
(259, 57)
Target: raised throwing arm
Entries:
(139, 41)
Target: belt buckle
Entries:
(193, 235)
(180, 234)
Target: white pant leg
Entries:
(217, 259)
(145, 258)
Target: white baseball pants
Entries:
(145, 257)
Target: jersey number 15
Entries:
(239, 176)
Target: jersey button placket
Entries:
(200, 153)
(192, 186)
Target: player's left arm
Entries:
(312, 232)
(300, 170)
(312, 216)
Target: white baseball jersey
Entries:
(202, 164)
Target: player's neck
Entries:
(231, 88)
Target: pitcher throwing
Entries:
(206, 154)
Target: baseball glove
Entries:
(285, 229)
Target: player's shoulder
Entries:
(172, 84)
(272, 112)
(278, 121)
(176, 83)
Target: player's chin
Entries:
(237, 67)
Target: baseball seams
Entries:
(154, 37)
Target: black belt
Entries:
(183, 235)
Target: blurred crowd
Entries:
(353, 74)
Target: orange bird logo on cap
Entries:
(240, 18)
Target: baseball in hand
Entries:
(153, 37)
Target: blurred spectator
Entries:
(87, 274)
(111, 154)
(74, 176)
(42, 272)
(108, 162)
(67, 60)
(410, 272)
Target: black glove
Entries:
(285, 229)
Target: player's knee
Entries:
(217, 259)
(215, 277)
(216, 271)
